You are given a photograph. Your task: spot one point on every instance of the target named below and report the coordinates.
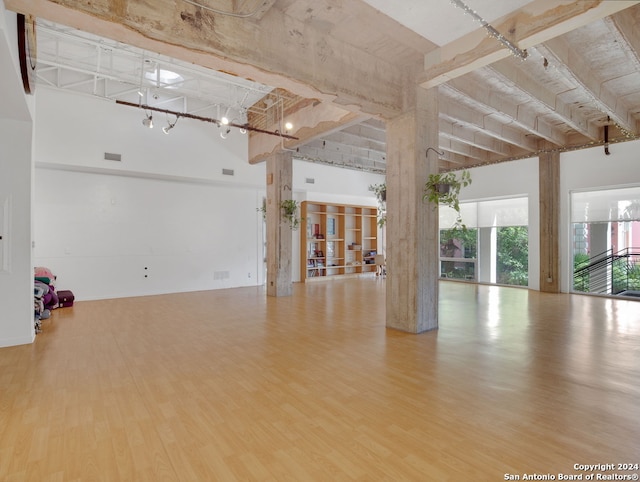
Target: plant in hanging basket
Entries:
(289, 209)
(445, 189)
(263, 209)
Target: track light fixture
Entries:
(225, 132)
(148, 121)
(225, 117)
(169, 125)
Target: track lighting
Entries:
(225, 117)
(148, 121)
(169, 125)
(243, 128)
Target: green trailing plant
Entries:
(263, 209)
(445, 189)
(380, 190)
(289, 209)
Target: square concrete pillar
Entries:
(279, 238)
(412, 224)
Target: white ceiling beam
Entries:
(367, 132)
(344, 137)
(451, 145)
(510, 74)
(491, 102)
(458, 132)
(536, 22)
(627, 37)
(487, 124)
(577, 70)
(453, 158)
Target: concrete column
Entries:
(549, 181)
(279, 237)
(412, 225)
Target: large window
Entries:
(606, 240)
(493, 249)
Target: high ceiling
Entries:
(573, 68)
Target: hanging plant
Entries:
(289, 209)
(263, 209)
(445, 189)
(380, 190)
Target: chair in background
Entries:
(381, 268)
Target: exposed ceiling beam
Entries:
(535, 23)
(278, 50)
(474, 138)
(311, 120)
(478, 95)
(257, 8)
(367, 132)
(509, 74)
(466, 150)
(488, 124)
(576, 69)
(344, 137)
(627, 38)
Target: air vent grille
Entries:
(110, 156)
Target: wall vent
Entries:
(218, 275)
(110, 156)
(310, 180)
(227, 172)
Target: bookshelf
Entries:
(337, 240)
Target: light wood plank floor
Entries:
(231, 385)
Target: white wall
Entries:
(16, 169)
(512, 179)
(590, 170)
(165, 218)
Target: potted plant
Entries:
(444, 189)
(263, 209)
(289, 209)
(380, 190)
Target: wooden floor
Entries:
(230, 385)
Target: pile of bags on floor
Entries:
(45, 296)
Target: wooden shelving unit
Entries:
(337, 240)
